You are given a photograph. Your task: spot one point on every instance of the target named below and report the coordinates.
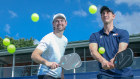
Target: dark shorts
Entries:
(101, 76)
(46, 77)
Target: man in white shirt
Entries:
(50, 49)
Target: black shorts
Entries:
(46, 77)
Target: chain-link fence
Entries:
(31, 70)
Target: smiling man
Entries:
(50, 49)
(114, 40)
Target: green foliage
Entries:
(1, 44)
(18, 43)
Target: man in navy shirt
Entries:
(113, 40)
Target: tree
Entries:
(18, 43)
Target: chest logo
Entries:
(101, 37)
(115, 34)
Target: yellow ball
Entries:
(101, 50)
(35, 17)
(6, 41)
(11, 48)
(92, 9)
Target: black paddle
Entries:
(124, 59)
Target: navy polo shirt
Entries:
(111, 44)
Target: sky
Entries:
(15, 17)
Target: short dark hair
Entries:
(106, 8)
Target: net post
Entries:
(13, 67)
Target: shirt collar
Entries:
(113, 31)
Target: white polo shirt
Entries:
(53, 49)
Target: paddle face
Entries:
(70, 61)
(124, 59)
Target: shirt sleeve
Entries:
(92, 39)
(124, 36)
(43, 45)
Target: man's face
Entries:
(59, 24)
(107, 16)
